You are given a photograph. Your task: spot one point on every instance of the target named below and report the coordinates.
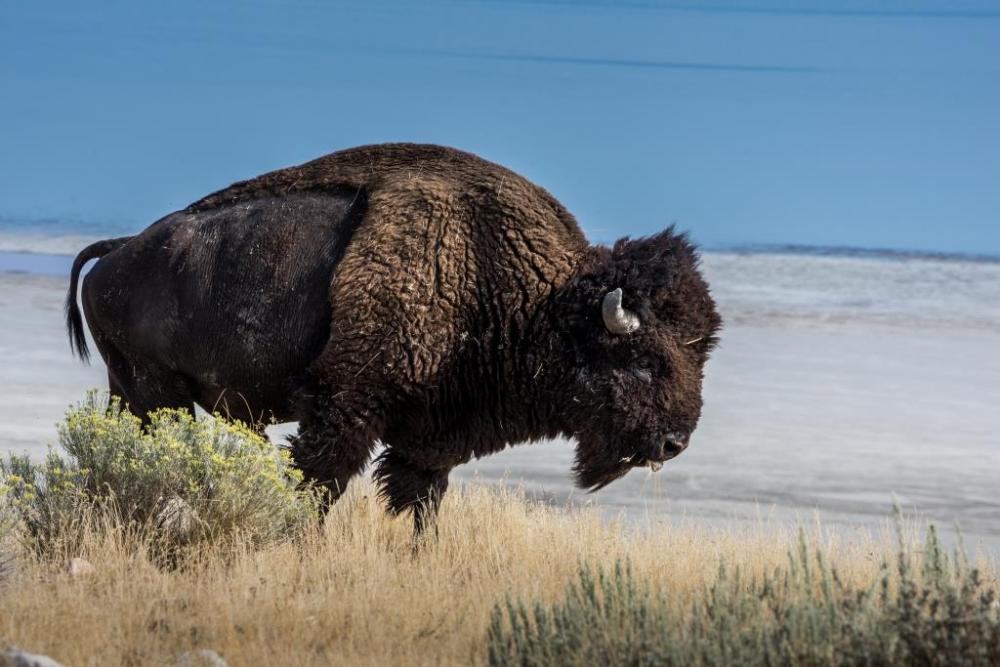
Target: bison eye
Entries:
(643, 374)
(643, 368)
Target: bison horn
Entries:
(617, 319)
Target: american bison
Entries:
(412, 295)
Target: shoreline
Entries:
(34, 263)
(31, 254)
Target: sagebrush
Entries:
(802, 613)
(179, 482)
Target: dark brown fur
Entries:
(413, 295)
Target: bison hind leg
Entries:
(404, 485)
(234, 406)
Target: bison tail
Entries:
(74, 319)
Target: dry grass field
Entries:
(242, 565)
(356, 592)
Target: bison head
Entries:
(640, 323)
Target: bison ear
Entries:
(617, 319)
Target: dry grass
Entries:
(354, 591)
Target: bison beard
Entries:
(412, 295)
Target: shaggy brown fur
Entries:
(412, 295)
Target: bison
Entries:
(411, 295)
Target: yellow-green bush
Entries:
(179, 482)
(937, 613)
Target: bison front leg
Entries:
(335, 443)
(405, 484)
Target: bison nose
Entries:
(673, 444)
(667, 447)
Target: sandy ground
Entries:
(799, 418)
(40, 378)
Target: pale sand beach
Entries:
(841, 382)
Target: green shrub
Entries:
(939, 613)
(9, 521)
(179, 482)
